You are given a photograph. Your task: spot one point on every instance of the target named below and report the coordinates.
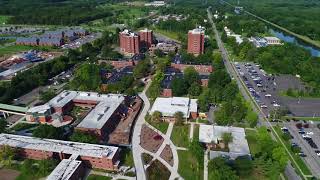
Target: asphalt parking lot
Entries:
(260, 85)
(266, 91)
(311, 158)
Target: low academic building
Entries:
(91, 155)
(169, 106)
(106, 111)
(211, 136)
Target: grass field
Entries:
(180, 136)
(126, 157)
(251, 136)
(97, 177)
(196, 131)
(4, 19)
(169, 34)
(161, 126)
(13, 49)
(188, 167)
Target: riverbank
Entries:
(300, 37)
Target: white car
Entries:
(267, 95)
(259, 85)
(276, 105)
(263, 106)
(305, 136)
(309, 133)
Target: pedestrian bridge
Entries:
(10, 109)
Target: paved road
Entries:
(232, 71)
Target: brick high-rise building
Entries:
(129, 42)
(146, 38)
(196, 41)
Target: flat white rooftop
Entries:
(100, 114)
(65, 169)
(198, 30)
(97, 117)
(51, 145)
(129, 33)
(239, 145)
(272, 38)
(169, 106)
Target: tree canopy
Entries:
(87, 78)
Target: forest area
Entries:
(299, 16)
(53, 12)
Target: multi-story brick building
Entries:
(146, 38)
(129, 42)
(73, 155)
(196, 41)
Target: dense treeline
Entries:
(299, 16)
(37, 76)
(52, 12)
(244, 25)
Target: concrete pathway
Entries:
(114, 176)
(191, 131)
(137, 150)
(167, 141)
(205, 167)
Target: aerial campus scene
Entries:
(158, 90)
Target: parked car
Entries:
(301, 154)
(309, 133)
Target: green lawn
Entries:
(126, 157)
(13, 49)
(169, 34)
(97, 177)
(22, 126)
(296, 157)
(180, 136)
(188, 167)
(161, 126)
(251, 136)
(196, 132)
(4, 19)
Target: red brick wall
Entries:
(204, 82)
(35, 154)
(121, 64)
(167, 93)
(146, 38)
(195, 43)
(202, 69)
(99, 163)
(194, 115)
(129, 44)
